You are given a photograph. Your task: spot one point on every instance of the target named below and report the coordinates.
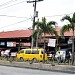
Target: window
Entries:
(28, 51)
(42, 52)
(22, 51)
(35, 52)
(2, 43)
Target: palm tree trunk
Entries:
(56, 43)
(44, 41)
(37, 41)
(73, 48)
(37, 35)
(44, 49)
(19, 45)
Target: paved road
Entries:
(4, 70)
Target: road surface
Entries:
(5, 70)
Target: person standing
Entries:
(2, 54)
(59, 57)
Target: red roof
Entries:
(58, 31)
(16, 34)
(68, 33)
(28, 33)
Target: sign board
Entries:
(10, 44)
(52, 42)
(13, 54)
(70, 41)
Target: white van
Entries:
(63, 53)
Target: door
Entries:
(27, 55)
(20, 54)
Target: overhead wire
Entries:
(12, 5)
(6, 3)
(15, 23)
(13, 16)
(21, 17)
(40, 17)
(28, 19)
(59, 15)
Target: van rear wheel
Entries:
(34, 60)
(21, 59)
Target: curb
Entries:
(40, 66)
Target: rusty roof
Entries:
(16, 34)
(68, 33)
(28, 33)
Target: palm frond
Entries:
(73, 18)
(52, 31)
(64, 29)
(66, 18)
(35, 24)
(39, 32)
(43, 20)
(51, 23)
(35, 33)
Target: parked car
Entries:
(63, 53)
(32, 54)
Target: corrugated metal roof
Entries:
(16, 34)
(28, 33)
(68, 33)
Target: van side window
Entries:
(42, 52)
(28, 51)
(35, 52)
(22, 51)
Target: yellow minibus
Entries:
(32, 54)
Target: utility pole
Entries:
(34, 1)
(37, 36)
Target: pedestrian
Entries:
(2, 54)
(50, 56)
(67, 58)
(70, 57)
(59, 57)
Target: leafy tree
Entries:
(68, 27)
(45, 28)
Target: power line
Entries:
(13, 16)
(59, 15)
(12, 5)
(15, 23)
(6, 3)
(45, 16)
(29, 18)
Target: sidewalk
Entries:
(41, 66)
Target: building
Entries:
(22, 39)
(13, 39)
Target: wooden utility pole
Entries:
(34, 1)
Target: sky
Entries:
(18, 14)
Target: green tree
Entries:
(45, 28)
(68, 27)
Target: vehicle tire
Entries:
(21, 58)
(34, 60)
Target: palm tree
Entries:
(68, 27)
(45, 28)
